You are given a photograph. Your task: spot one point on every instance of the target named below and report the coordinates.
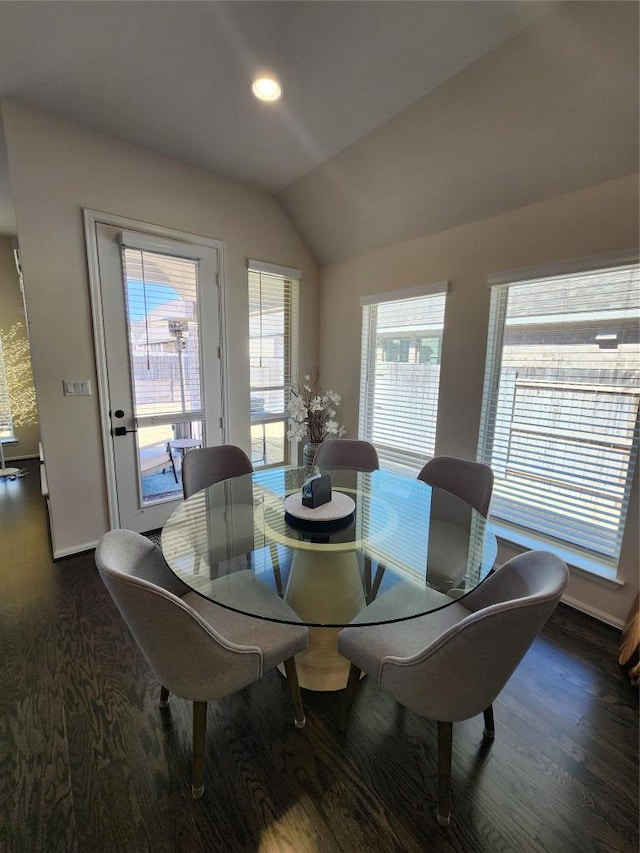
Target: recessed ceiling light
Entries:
(266, 89)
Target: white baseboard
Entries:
(592, 611)
(59, 553)
(21, 457)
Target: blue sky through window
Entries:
(143, 297)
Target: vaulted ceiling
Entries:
(398, 118)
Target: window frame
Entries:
(403, 460)
(291, 279)
(590, 561)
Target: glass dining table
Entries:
(412, 548)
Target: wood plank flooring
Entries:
(88, 762)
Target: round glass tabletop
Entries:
(404, 551)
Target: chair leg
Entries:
(173, 463)
(164, 697)
(489, 726)
(376, 582)
(349, 696)
(445, 737)
(275, 562)
(294, 687)
(199, 738)
(367, 579)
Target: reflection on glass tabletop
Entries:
(406, 549)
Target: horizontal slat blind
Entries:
(400, 377)
(560, 409)
(273, 341)
(164, 334)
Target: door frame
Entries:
(93, 218)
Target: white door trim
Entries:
(93, 218)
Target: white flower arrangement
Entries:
(312, 412)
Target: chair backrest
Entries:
(460, 673)
(347, 453)
(471, 481)
(205, 466)
(189, 657)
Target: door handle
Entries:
(122, 431)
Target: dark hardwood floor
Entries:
(88, 762)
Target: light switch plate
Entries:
(76, 387)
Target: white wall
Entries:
(57, 169)
(594, 221)
(25, 426)
(552, 110)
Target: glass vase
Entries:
(309, 453)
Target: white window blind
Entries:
(161, 293)
(400, 376)
(560, 410)
(273, 347)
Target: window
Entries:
(163, 331)
(560, 410)
(400, 374)
(273, 341)
(161, 294)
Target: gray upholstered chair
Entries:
(452, 663)
(347, 453)
(471, 481)
(199, 650)
(205, 466)
(359, 456)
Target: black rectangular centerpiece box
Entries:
(316, 491)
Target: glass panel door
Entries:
(162, 312)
